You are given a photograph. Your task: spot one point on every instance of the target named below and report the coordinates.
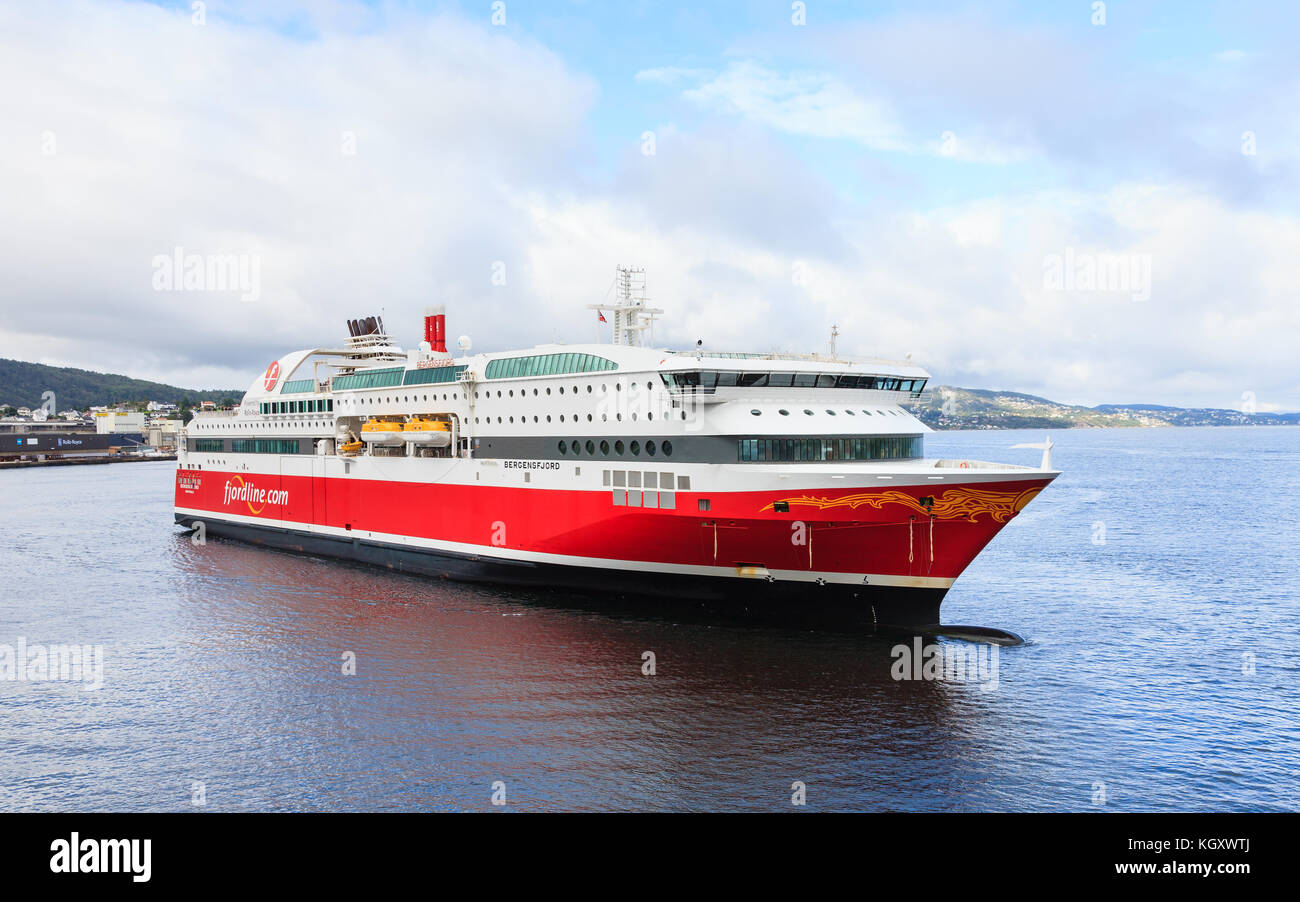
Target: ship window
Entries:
(831, 412)
(809, 412)
(702, 503)
(824, 449)
(667, 448)
(784, 413)
(635, 447)
(785, 380)
(633, 499)
(591, 447)
(650, 448)
(727, 380)
(620, 478)
(620, 497)
(618, 447)
(752, 380)
(667, 500)
(756, 412)
(604, 477)
(564, 447)
(604, 447)
(634, 479)
(651, 480)
(850, 413)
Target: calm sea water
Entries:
(1156, 583)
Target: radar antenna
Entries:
(632, 318)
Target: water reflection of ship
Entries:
(557, 696)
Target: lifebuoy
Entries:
(964, 465)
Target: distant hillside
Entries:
(24, 384)
(948, 407)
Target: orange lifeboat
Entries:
(382, 432)
(427, 431)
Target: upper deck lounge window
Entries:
(546, 365)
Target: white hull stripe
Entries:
(515, 554)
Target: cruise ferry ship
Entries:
(781, 483)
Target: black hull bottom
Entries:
(874, 608)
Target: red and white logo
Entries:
(272, 375)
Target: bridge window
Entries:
(817, 450)
(707, 381)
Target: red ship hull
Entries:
(875, 557)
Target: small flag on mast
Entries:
(602, 317)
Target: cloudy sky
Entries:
(1095, 205)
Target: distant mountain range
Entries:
(24, 385)
(949, 407)
(943, 407)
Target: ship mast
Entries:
(632, 318)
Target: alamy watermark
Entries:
(957, 662)
(180, 271)
(42, 663)
(1119, 273)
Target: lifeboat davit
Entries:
(381, 432)
(425, 431)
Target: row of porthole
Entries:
(650, 386)
(575, 447)
(272, 425)
(404, 399)
(604, 417)
(785, 413)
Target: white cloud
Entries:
(671, 75)
(472, 148)
(962, 289)
(230, 139)
(819, 105)
(802, 103)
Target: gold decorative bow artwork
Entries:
(950, 504)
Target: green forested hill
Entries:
(24, 384)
